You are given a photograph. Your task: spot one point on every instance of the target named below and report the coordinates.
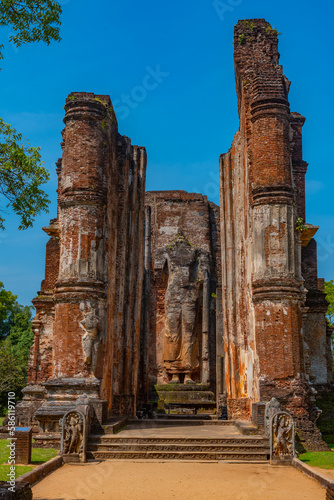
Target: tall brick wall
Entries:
(125, 276)
(262, 194)
(88, 312)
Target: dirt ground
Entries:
(126, 480)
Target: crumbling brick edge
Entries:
(34, 476)
(324, 481)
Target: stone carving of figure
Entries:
(282, 435)
(182, 306)
(91, 327)
(73, 433)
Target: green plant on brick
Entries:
(249, 24)
(300, 226)
(272, 31)
(241, 38)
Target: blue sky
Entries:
(187, 120)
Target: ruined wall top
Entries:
(179, 212)
(180, 195)
(258, 72)
(81, 105)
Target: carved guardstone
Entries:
(282, 439)
(74, 435)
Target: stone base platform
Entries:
(62, 395)
(179, 398)
(206, 440)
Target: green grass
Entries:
(323, 459)
(1, 420)
(38, 456)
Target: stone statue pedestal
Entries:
(63, 395)
(178, 397)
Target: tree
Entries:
(21, 170)
(8, 306)
(13, 372)
(15, 319)
(16, 338)
(21, 174)
(21, 335)
(329, 290)
(30, 20)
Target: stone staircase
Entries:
(159, 440)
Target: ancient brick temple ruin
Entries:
(182, 275)
(145, 292)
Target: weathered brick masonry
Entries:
(167, 287)
(273, 343)
(87, 322)
(182, 253)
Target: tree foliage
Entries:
(16, 338)
(21, 170)
(329, 290)
(21, 174)
(30, 20)
(15, 319)
(13, 372)
(7, 306)
(21, 335)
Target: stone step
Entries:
(179, 455)
(149, 447)
(187, 416)
(180, 421)
(114, 439)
